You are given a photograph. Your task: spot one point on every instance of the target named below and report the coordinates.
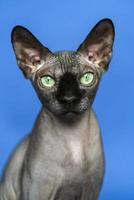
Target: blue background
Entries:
(63, 25)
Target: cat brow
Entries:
(95, 65)
(31, 66)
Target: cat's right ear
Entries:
(30, 53)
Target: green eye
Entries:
(87, 79)
(47, 81)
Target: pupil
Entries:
(87, 77)
(48, 79)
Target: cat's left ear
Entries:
(97, 47)
(30, 53)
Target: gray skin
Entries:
(62, 158)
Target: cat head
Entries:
(66, 82)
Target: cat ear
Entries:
(97, 47)
(30, 53)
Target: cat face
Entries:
(66, 82)
(65, 85)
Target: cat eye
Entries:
(47, 81)
(87, 79)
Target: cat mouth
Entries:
(70, 116)
(70, 113)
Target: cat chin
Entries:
(70, 116)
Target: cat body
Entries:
(61, 168)
(62, 158)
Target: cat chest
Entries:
(76, 152)
(62, 160)
(73, 163)
(73, 169)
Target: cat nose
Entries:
(69, 99)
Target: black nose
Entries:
(69, 99)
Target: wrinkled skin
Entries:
(62, 158)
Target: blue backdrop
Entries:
(63, 25)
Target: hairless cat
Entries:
(62, 158)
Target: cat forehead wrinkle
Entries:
(64, 53)
(68, 60)
(65, 56)
(58, 58)
(50, 61)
